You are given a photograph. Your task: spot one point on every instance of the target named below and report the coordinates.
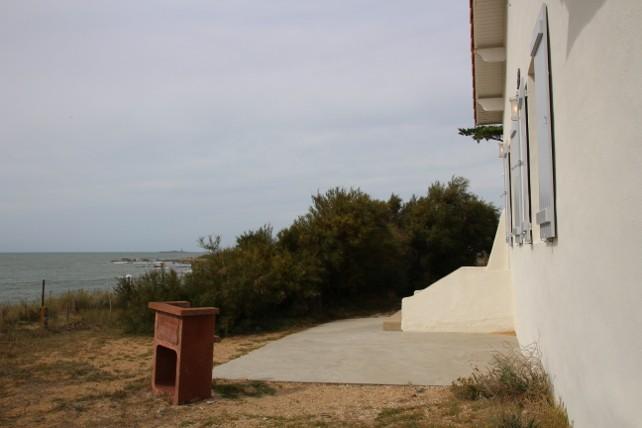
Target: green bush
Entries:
(348, 251)
(253, 282)
(352, 242)
(448, 228)
(133, 295)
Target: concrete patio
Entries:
(359, 351)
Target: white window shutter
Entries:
(545, 216)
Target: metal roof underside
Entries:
(488, 52)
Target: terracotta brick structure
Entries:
(183, 351)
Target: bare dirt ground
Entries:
(94, 378)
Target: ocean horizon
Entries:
(22, 273)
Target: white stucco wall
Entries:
(579, 298)
(469, 300)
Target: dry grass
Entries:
(518, 385)
(512, 376)
(69, 310)
(237, 390)
(100, 378)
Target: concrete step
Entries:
(393, 322)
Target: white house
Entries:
(564, 77)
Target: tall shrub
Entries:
(254, 282)
(352, 239)
(448, 228)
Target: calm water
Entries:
(21, 274)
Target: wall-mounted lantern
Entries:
(514, 109)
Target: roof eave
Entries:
(488, 56)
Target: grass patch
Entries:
(409, 417)
(76, 371)
(304, 421)
(246, 348)
(235, 391)
(515, 420)
(83, 402)
(70, 372)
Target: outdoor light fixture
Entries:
(514, 109)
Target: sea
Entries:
(21, 274)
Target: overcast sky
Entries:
(141, 125)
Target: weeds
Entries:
(511, 376)
(519, 388)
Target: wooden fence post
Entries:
(44, 315)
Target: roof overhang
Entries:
(488, 55)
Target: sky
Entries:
(142, 125)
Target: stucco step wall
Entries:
(468, 300)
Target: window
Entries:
(517, 148)
(543, 126)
